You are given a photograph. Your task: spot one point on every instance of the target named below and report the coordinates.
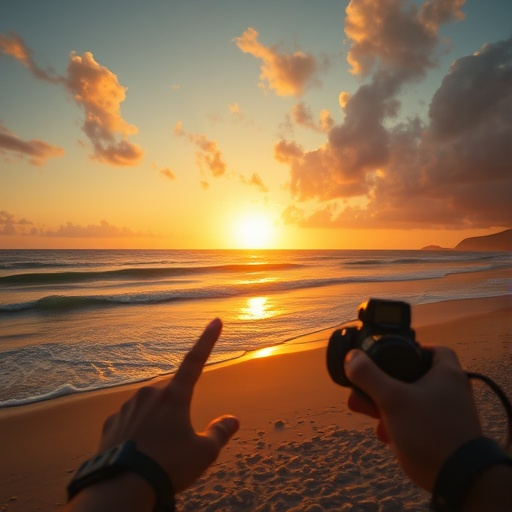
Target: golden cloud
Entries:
(37, 151)
(287, 74)
(97, 91)
(208, 154)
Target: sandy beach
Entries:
(299, 447)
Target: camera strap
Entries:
(504, 400)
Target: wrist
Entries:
(124, 492)
(120, 461)
(463, 470)
(491, 491)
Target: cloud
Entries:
(287, 74)
(476, 90)
(37, 151)
(97, 91)
(396, 35)
(208, 154)
(168, 174)
(11, 226)
(236, 112)
(238, 115)
(101, 230)
(302, 116)
(255, 181)
(456, 170)
(314, 174)
(234, 108)
(452, 170)
(13, 45)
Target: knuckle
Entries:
(169, 393)
(174, 395)
(143, 394)
(449, 355)
(109, 423)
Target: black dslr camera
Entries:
(384, 333)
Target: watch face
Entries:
(103, 465)
(100, 460)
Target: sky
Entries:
(287, 124)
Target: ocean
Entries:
(78, 320)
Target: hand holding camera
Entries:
(439, 405)
(384, 333)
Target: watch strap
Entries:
(461, 470)
(121, 459)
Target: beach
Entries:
(81, 320)
(299, 447)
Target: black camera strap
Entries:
(504, 400)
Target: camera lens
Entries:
(398, 357)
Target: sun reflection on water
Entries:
(259, 280)
(257, 308)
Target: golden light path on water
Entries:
(257, 308)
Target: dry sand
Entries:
(299, 447)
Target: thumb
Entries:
(221, 429)
(365, 375)
(382, 433)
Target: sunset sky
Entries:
(273, 123)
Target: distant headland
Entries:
(501, 241)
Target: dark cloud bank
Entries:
(452, 170)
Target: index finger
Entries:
(192, 365)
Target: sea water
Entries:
(78, 320)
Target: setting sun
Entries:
(254, 231)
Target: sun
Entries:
(254, 231)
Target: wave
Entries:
(365, 262)
(122, 378)
(64, 390)
(53, 278)
(34, 265)
(69, 303)
(55, 303)
(446, 258)
(60, 303)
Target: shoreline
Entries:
(287, 406)
(307, 341)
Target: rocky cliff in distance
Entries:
(435, 248)
(501, 241)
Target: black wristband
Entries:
(461, 470)
(121, 459)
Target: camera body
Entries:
(384, 332)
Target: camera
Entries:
(384, 332)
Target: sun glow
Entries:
(265, 352)
(254, 231)
(256, 308)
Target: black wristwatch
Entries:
(121, 459)
(462, 468)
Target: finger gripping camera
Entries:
(384, 333)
